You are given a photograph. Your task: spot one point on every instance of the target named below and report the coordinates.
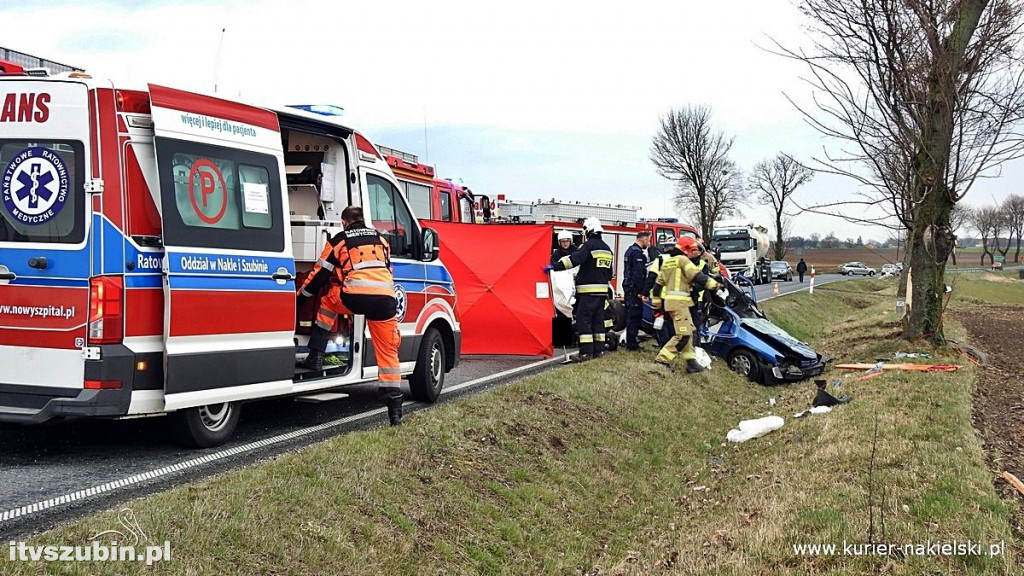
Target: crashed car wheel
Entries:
(744, 363)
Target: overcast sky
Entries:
(528, 99)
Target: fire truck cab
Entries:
(431, 198)
(150, 245)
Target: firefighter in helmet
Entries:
(677, 277)
(594, 259)
(565, 247)
(357, 263)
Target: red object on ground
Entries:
(497, 269)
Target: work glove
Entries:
(721, 297)
(548, 268)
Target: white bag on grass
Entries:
(703, 358)
(750, 429)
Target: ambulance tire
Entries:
(427, 379)
(205, 426)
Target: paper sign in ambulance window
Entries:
(255, 196)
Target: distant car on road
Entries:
(997, 265)
(782, 270)
(856, 268)
(891, 269)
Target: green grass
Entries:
(612, 467)
(1003, 288)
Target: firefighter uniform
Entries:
(708, 264)
(677, 277)
(357, 263)
(594, 259)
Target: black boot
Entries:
(692, 367)
(393, 400)
(315, 360)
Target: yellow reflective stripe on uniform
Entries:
(601, 253)
(677, 293)
(325, 265)
(591, 288)
(586, 338)
(566, 262)
(608, 323)
(370, 284)
(369, 264)
(599, 337)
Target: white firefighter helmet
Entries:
(592, 225)
(564, 235)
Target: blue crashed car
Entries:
(738, 332)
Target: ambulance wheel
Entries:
(205, 426)
(744, 363)
(428, 377)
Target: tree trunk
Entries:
(925, 318)
(1016, 257)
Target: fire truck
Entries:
(431, 198)
(620, 223)
(151, 240)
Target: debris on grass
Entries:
(750, 429)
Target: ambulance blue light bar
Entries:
(322, 109)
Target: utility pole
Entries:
(216, 72)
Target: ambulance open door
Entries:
(229, 291)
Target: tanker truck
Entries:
(742, 246)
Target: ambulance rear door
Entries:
(45, 263)
(229, 272)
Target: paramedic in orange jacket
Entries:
(357, 263)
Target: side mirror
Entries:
(431, 245)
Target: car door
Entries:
(228, 270)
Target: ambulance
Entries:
(151, 241)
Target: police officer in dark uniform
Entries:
(594, 259)
(634, 277)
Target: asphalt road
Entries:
(59, 471)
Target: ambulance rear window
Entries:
(41, 192)
(219, 197)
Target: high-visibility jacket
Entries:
(358, 260)
(595, 261)
(677, 277)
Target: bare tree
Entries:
(1000, 224)
(689, 151)
(1013, 208)
(926, 96)
(958, 219)
(984, 220)
(774, 181)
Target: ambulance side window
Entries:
(391, 217)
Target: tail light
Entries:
(106, 310)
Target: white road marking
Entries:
(29, 510)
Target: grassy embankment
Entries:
(615, 467)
